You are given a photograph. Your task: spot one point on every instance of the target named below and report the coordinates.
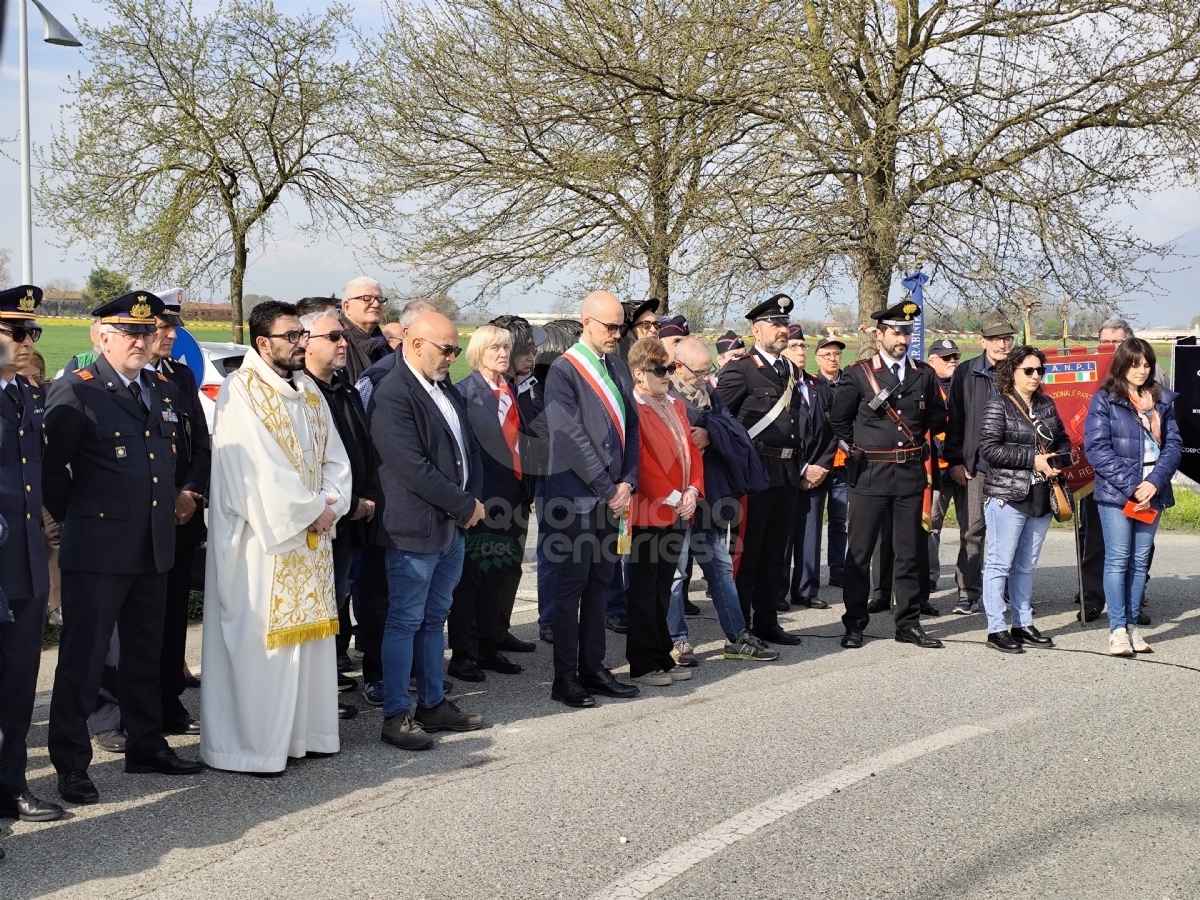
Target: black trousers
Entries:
(175, 617)
(512, 581)
(910, 545)
(476, 604)
(20, 657)
(585, 547)
(763, 536)
(373, 609)
(652, 566)
(92, 603)
(882, 562)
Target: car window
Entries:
(227, 365)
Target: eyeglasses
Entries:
(334, 337)
(611, 328)
(450, 351)
(18, 333)
(834, 354)
(132, 337)
(369, 299)
(701, 375)
(661, 371)
(1030, 371)
(292, 337)
(953, 357)
(646, 325)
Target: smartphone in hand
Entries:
(1147, 515)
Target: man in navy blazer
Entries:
(591, 474)
(431, 481)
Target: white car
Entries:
(221, 359)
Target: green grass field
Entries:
(62, 340)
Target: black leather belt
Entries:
(899, 455)
(780, 452)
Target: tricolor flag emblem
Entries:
(1069, 372)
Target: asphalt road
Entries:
(887, 772)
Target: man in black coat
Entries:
(109, 477)
(24, 575)
(431, 482)
(761, 391)
(363, 306)
(193, 462)
(885, 408)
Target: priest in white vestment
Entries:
(280, 480)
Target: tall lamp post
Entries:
(55, 34)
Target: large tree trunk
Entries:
(877, 260)
(237, 277)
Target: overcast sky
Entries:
(292, 268)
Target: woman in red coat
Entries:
(670, 481)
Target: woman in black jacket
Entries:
(1019, 437)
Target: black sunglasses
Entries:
(661, 371)
(450, 351)
(646, 325)
(292, 337)
(18, 333)
(1030, 371)
(333, 337)
(611, 328)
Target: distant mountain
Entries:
(1178, 282)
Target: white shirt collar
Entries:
(770, 358)
(430, 386)
(888, 362)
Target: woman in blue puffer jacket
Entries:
(1132, 441)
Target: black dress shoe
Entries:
(465, 670)
(28, 808)
(346, 711)
(775, 635)
(928, 609)
(76, 787)
(915, 634)
(618, 624)
(110, 741)
(185, 724)
(690, 608)
(512, 644)
(1090, 612)
(877, 606)
(852, 639)
(1004, 642)
(1143, 616)
(810, 602)
(164, 762)
(344, 662)
(500, 663)
(191, 681)
(546, 634)
(571, 692)
(603, 682)
(346, 683)
(1031, 636)
(782, 605)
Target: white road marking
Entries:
(679, 859)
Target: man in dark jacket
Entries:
(970, 389)
(829, 370)
(431, 482)
(363, 304)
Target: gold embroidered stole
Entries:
(303, 607)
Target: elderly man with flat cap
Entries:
(762, 391)
(885, 408)
(109, 477)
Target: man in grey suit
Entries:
(431, 480)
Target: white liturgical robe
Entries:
(269, 663)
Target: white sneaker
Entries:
(1139, 642)
(657, 678)
(1118, 644)
(679, 673)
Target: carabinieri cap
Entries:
(777, 310)
(730, 341)
(673, 326)
(900, 317)
(17, 305)
(133, 312)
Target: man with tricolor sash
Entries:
(591, 474)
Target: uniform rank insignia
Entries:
(161, 376)
(84, 374)
(169, 416)
(120, 453)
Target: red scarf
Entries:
(511, 426)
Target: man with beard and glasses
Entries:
(885, 409)
(281, 479)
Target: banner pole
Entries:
(1075, 506)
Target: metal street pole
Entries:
(54, 34)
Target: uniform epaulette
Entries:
(84, 374)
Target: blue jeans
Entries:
(420, 588)
(1127, 547)
(711, 552)
(838, 496)
(1014, 542)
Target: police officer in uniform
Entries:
(193, 460)
(885, 408)
(109, 478)
(761, 392)
(24, 576)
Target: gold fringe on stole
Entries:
(301, 634)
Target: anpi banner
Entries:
(1072, 377)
